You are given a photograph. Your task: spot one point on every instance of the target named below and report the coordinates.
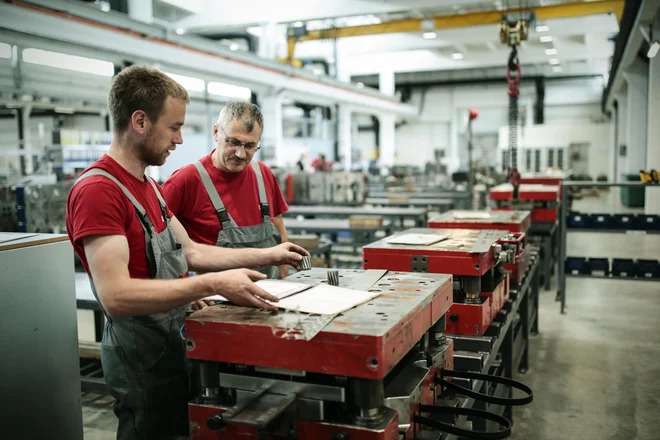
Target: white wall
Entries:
(444, 112)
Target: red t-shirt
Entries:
(186, 197)
(97, 206)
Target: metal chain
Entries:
(513, 131)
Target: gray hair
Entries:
(242, 111)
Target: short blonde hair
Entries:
(141, 88)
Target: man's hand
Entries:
(239, 288)
(286, 253)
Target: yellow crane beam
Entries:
(563, 10)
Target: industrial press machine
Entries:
(475, 258)
(516, 222)
(380, 370)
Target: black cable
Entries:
(486, 378)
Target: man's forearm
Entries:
(206, 258)
(137, 297)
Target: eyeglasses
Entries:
(250, 147)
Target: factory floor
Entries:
(595, 371)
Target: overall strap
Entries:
(263, 200)
(225, 219)
(147, 225)
(161, 201)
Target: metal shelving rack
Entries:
(561, 269)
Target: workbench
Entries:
(396, 214)
(435, 204)
(360, 236)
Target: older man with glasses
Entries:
(226, 198)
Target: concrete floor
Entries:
(595, 371)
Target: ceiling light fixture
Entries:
(551, 51)
(360, 85)
(653, 50)
(429, 35)
(557, 69)
(234, 46)
(457, 56)
(546, 39)
(180, 31)
(298, 24)
(542, 28)
(554, 61)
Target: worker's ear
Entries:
(215, 132)
(139, 121)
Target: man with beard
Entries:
(228, 198)
(138, 255)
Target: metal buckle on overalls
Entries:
(222, 215)
(265, 209)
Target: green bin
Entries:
(632, 197)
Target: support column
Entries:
(269, 41)
(387, 123)
(272, 143)
(141, 10)
(637, 125)
(653, 138)
(344, 135)
(622, 133)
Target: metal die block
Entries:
(469, 319)
(388, 429)
(468, 361)
(472, 343)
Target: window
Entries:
(228, 90)
(506, 159)
(560, 158)
(528, 160)
(188, 82)
(551, 157)
(537, 161)
(69, 62)
(5, 50)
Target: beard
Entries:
(150, 154)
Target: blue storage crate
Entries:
(600, 265)
(623, 222)
(577, 265)
(624, 267)
(648, 268)
(648, 222)
(578, 220)
(600, 221)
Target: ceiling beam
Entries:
(576, 9)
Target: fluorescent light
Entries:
(180, 31)
(554, 61)
(429, 35)
(298, 24)
(5, 50)
(542, 28)
(188, 82)
(546, 39)
(551, 51)
(228, 90)
(234, 46)
(360, 85)
(653, 50)
(105, 6)
(65, 110)
(457, 56)
(69, 62)
(557, 69)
